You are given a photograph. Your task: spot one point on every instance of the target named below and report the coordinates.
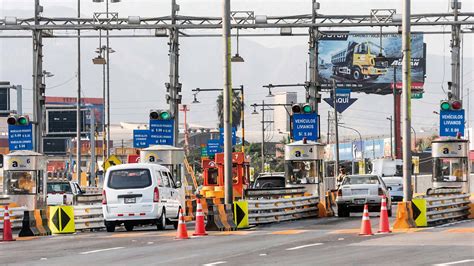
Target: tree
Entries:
(236, 109)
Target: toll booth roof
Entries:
(24, 153)
(162, 148)
(446, 140)
(301, 142)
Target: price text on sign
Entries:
(140, 138)
(305, 126)
(161, 132)
(20, 137)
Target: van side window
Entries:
(166, 182)
(158, 178)
(173, 185)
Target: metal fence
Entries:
(16, 216)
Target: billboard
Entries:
(364, 62)
(86, 103)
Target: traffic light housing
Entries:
(18, 120)
(160, 115)
(302, 108)
(450, 105)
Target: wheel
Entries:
(161, 225)
(342, 211)
(128, 227)
(110, 226)
(356, 74)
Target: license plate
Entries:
(129, 200)
(359, 201)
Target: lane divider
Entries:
(304, 246)
(100, 250)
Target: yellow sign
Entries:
(362, 167)
(61, 219)
(419, 212)
(111, 161)
(241, 214)
(416, 164)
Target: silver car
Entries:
(395, 186)
(357, 190)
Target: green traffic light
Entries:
(165, 115)
(445, 106)
(307, 109)
(22, 121)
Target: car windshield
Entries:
(59, 187)
(360, 180)
(129, 178)
(270, 181)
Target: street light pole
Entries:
(407, 191)
(263, 137)
(227, 97)
(336, 165)
(108, 81)
(78, 107)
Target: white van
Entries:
(136, 194)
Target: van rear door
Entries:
(130, 191)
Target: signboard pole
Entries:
(93, 157)
(336, 165)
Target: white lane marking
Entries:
(453, 262)
(44, 259)
(215, 263)
(99, 250)
(305, 246)
(263, 254)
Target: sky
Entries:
(126, 109)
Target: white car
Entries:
(358, 190)
(62, 192)
(138, 194)
(395, 186)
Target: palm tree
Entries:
(236, 109)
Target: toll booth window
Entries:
(212, 174)
(21, 182)
(450, 170)
(302, 172)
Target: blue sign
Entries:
(343, 100)
(234, 136)
(161, 132)
(20, 137)
(305, 126)
(213, 147)
(451, 123)
(140, 138)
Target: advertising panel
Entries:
(87, 103)
(364, 62)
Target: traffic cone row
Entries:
(384, 224)
(7, 226)
(200, 229)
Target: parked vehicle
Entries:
(62, 192)
(357, 190)
(395, 186)
(270, 180)
(138, 194)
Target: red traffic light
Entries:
(11, 120)
(456, 105)
(296, 109)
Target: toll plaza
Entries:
(25, 179)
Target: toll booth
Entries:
(213, 174)
(25, 179)
(451, 163)
(304, 166)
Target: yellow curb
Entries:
(345, 231)
(460, 230)
(239, 233)
(27, 238)
(125, 235)
(288, 232)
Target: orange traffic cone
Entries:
(7, 226)
(366, 228)
(200, 229)
(182, 231)
(384, 225)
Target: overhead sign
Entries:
(343, 100)
(213, 147)
(305, 126)
(234, 136)
(140, 138)
(352, 60)
(87, 103)
(111, 161)
(161, 132)
(63, 121)
(20, 137)
(61, 219)
(451, 123)
(417, 95)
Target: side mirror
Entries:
(389, 188)
(178, 184)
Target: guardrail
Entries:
(279, 204)
(88, 217)
(16, 216)
(441, 206)
(88, 199)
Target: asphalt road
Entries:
(328, 241)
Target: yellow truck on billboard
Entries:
(359, 61)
